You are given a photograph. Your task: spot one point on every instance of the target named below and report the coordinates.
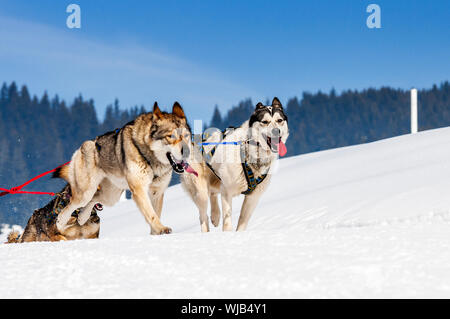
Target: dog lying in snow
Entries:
(42, 224)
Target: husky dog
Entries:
(42, 224)
(237, 163)
(139, 157)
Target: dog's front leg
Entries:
(226, 211)
(201, 200)
(157, 202)
(85, 213)
(215, 210)
(247, 210)
(142, 199)
(65, 216)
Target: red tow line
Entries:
(18, 189)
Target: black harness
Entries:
(252, 182)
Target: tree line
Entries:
(322, 121)
(37, 134)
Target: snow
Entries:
(365, 221)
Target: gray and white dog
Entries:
(238, 162)
(139, 157)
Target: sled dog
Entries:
(238, 161)
(140, 157)
(42, 224)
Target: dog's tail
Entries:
(13, 237)
(61, 172)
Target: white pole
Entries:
(414, 118)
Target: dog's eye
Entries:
(265, 122)
(280, 120)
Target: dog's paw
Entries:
(58, 238)
(163, 230)
(166, 230)
(215, 220)
(227, 227)
(61, 226)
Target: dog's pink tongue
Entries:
(282, 150)
(189, 169)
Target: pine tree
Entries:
(216, 120)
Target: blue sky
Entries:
(203, 53)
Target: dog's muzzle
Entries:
(176, 165)
(180, 167)
(276, 144)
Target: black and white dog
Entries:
(236, 162)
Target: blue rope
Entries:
(217, 143)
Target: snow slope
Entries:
(365, 221)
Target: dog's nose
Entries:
(276, 132)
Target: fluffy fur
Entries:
(13, 237)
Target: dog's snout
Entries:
(276, 132)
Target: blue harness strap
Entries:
(217, 143)
(209, 155)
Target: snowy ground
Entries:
(364, 221)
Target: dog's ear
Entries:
(156, 111)
(276, 102)
(259, 106)
(178, 110)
